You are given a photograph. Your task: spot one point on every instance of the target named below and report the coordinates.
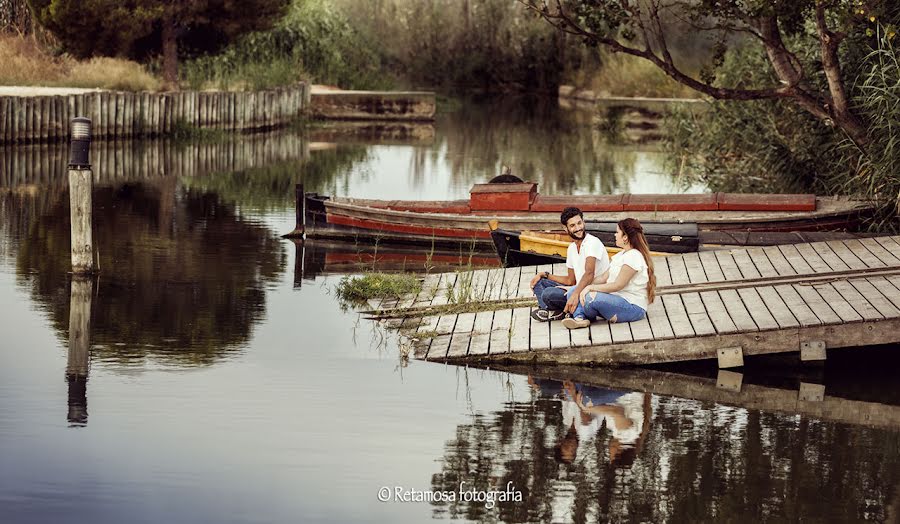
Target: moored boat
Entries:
(532, 248)
(518, 207)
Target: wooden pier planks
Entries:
(690, 321)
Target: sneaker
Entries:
(541, 315)
(556, 315)
(576, 323)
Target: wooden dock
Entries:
(716, 304)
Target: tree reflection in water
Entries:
(691, 461)
(182, 274)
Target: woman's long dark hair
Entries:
(635, 234)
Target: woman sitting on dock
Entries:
(626, 288)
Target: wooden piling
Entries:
(80, 186)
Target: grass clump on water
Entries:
(358, 289)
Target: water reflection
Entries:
(182, 274)
(582, 452)
(78, 362)
(316, 258)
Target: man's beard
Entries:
(574, 237)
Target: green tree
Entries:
(816, 82)
(141, 28)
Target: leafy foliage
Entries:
(134, 28)
(312, 39)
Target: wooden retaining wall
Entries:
(45, 164)
(30, 119)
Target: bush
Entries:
(358, 289)
(111, 73)
(774, 146)
(312, 41)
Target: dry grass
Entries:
(23, 62)
(111, 73)
(625, 75)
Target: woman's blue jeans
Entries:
(611, 307)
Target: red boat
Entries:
(518, 206)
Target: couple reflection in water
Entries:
(587, 409)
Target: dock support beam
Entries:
(812, 350)
(732, 357)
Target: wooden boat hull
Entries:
(453, 223)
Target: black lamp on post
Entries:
(80, 151)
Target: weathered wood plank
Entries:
(659, 321)
(430, 285)
(876, 297)
(890, 245)
(661, 271)
(728, 265)
(678, 271)
(446, 324)
(888, 290)
(816, 303)
(540, 335)
(711, 266)
(640, 330)
(481, 333)
(681, 324)
(781, 264)
(882, 254)
(777, 307)
(520, 330)
(428, 324)
(442, 296)
(694, 267)
(719, 316)
(742, 318)
(525, 290)
(600, 333)
(798, 306)
(620, 331)
(829, 256)
(580, 337)
(438, 348)
(862, 306)
(745, 264)
(462, 335)
(846, 255)
(757, 308)
(812, 258)
(494, 287)
(500, 331)
(796, 259)
(762, 262)
(859, 250)
(559, 335)
(838, 303)
(511, 282)
(696, 312)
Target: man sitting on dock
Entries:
(586, 259)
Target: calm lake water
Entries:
(224, 382)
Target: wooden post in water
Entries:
(79, 347)
(81, 184)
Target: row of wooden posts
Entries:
(28, 119)
(113, 160)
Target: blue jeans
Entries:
(549, 296)
(609, 306)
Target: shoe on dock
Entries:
(576, 323)
(543, 315)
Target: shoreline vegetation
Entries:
(832, 131)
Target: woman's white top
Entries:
(635, 291)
